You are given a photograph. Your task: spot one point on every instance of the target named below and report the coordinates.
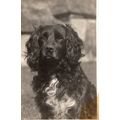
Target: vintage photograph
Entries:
(58, 59)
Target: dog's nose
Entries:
(49, 49)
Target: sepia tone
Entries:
(80, 14)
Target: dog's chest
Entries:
(59, 106)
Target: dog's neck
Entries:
(62, 68)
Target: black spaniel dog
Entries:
(62, 89)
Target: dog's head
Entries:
(51, 44)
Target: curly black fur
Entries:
(72, 88)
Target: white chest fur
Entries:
(62, 106)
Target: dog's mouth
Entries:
(49, 57)
(50, 60)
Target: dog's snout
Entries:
(49, 49)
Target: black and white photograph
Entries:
(58, 60)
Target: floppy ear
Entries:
(33, 46)
(74, 45)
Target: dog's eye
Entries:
(45, 34)
(58, 35)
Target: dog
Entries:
(62, 89)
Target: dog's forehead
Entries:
(53, 28)
(60, 29)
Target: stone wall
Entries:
(81, 14)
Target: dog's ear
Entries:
(74, 45)
(33, 46)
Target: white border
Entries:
(108, 47)
(108, 59)
(10, 60)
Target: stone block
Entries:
(90, 40)
(35, 13)
(79, 25)
(83, 7)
